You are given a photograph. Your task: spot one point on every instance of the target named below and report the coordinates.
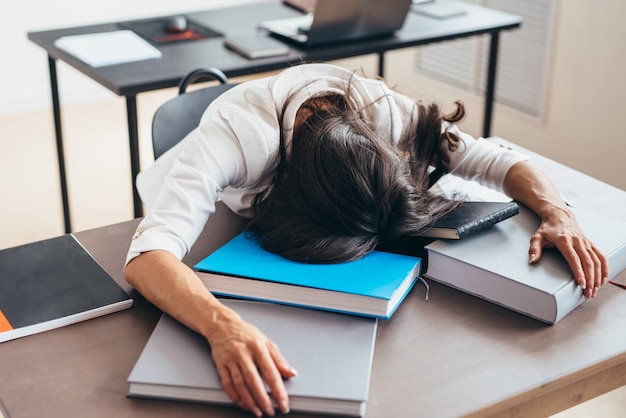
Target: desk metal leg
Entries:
(381, 64)
(133, 137)
(56, 109)
(491, 82)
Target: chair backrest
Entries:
(180, 115)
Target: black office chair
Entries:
(180, 115)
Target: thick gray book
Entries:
(493, 265)
(331, 352)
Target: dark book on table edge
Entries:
(53, 283)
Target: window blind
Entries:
(523, 61)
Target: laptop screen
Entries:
(337, 21)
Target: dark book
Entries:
(469, 218)
(52, 283)
(373, 286)
(332, 353)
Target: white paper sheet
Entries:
(108, 48)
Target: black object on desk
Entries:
(170, 29)
(52, 283)
(179, 58)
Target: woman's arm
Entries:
(243, 355)
(559, 228)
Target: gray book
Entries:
(494, 265)
(331, 352)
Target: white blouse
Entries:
(229, 154)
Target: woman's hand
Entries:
(560, 230)
(245, 358)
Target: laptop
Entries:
(344, 20)
(302, 5)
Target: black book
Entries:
(52, 283)
(469, 218)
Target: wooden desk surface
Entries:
(180, 58)
(450, 356)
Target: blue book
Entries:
(372, 286)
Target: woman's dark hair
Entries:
(343, 190)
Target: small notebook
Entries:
(255, 45)
(470, 218)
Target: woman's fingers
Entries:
(588, 265)
(238, 393)
(249, 364)
(273, 370)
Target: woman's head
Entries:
(341, 192)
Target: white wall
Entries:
(585, 111)
(24, 79)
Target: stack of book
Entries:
(373, 285)
(493, 264)
(335, 307)
(322, 316)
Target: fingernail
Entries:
(269, 410)
(532, 259)
(582, 282)
(284, 406)
(256, 411)
(293, 371)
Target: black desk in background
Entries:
(179, 59)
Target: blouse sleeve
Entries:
(482, 161)
(187, 196)
(228, 149)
